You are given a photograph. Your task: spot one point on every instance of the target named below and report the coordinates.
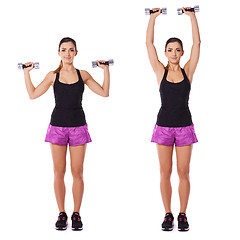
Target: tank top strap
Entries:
(57, 77)
(165, 74)
(79, 75)
(184, 74)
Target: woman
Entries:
(174, 122)
(68, 123)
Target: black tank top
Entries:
(174, 111)
(68, 111)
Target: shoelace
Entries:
(76, 218)
(168, 218)
(182, 218)
(61, 218)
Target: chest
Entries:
(68, 78)
(175, 76)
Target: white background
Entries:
(122, 198)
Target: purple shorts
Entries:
(181, 136)
(62, 135)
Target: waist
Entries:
(170, 107)
(68, 108)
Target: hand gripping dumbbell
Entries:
(22, 66)
(149, 11)
(194, 9)
(109, 62)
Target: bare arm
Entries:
(41, 88)
(191, 65)
(96, 87)
(157, 66)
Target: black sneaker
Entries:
(76, 222)
(182, 222)
(61, 223)
(167, 224)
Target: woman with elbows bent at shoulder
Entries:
(174, 122)
(68, 123)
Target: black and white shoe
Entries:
(76, 222)
(61, 223)
(182, 222)
(167, 224)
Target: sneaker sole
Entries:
(167, 229)
(183, 229)
(77, 229)
(61, 228)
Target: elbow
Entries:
(31, 97)
(197, 42)
(148, 42)
(105, 95)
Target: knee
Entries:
(59, 174)
(183, 173)
(166, 174)
(77, 174)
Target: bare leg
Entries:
(183, 161)
(165, 160)
(77, 154)
(59, 164)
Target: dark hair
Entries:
(66, 39)
(170, 40)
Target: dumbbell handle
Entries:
(190, 10)
(109, 62)
(150, 11)
(194, 9)
(104, 63)
(22, 66)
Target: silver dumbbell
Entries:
(109, 62)
(194, 9)
(149, 11)
(22, 66)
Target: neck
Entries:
(68, 67)
(174, 67)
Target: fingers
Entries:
(186, 8)
(29, 66)
(100, 61)
(157, 11)
(102, 65)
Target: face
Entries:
(174, 52)
(67, 52)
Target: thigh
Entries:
(165, 157)
(59, 157)
(183, 157)
(57, 135)
(77, 154)
(79, 135)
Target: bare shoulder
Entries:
(50, 77)
(85, 75)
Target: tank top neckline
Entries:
(58, 75)
(165, 77)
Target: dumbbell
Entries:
(109, 62)
(194, 9)
(149, 11)
(22, 66)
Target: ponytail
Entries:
(59, 67)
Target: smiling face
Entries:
(174, 52)
(67, 52)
